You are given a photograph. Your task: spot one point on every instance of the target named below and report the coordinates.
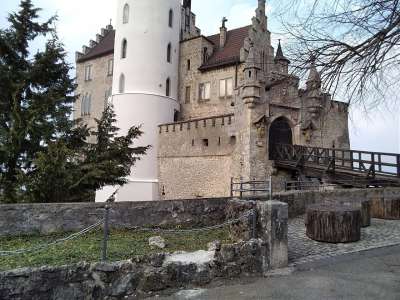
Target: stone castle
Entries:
(212, 106)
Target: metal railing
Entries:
(251, 188)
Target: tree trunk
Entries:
(333, 223)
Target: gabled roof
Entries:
(105, 47)
(230, 53)
(225, 56)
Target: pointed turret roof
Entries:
(279, 53)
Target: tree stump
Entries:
(386, 207)
(365, 207)
(333, 223)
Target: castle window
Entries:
(192, 143)
(124, 48)
(125, 17)
(171, 18)
(205, 54)
(88, 73)
(188, 64)
(204, 91)
(187, 94)
(226, 88)
(107, 95)
(168, 87)
(122, 83)
(86, 104)
(169, 53)
(110, 67)
(232, 140)
(205, 142)
(219, 141)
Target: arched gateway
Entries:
(279, 133)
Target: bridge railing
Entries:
(370, 163)
(242, 188)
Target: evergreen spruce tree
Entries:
(44, 156)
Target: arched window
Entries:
(121, 83)
(86, 105)
(168, 87)
(125, 16)
(171, 18)
(124, 48)
(169, 53)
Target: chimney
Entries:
(223, 33)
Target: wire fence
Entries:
(105, 223)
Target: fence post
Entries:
(253, 224)
(398, 165)
(106, 232)
(241, 188)
(270, 188)
(231, 187)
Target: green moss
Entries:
(122, 245)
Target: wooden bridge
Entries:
(347, 167)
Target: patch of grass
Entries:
(122, 245)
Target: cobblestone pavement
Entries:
(381, 233)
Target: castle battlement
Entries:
(222, 120)
(93, 43)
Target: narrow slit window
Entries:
(122, 83)
(169, 53)
(171, 18)
(168, 87)
(124, 48)
(125, 14)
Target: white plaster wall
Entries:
(144, 100)
(148, 35)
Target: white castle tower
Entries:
(145, 83)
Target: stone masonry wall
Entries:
(194, 158)
(143, 276)
(24, 219)
(97, 87)
(192, 50)
(134, 278)
(298, 201)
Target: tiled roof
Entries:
(230, 53)
(105, 47)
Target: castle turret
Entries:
(251, 86)
(145, 82)
(281, 62)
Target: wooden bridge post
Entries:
(398, 165)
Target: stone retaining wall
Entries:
(136, 277)
(26, 219)
(299, 200)
(145, 275)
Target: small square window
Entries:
(187, 94)
(110, 67)
(205, 142)
(88, 73)
(226, 88)
(204, 91)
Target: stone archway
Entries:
(280, 132)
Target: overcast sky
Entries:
(80, 20)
